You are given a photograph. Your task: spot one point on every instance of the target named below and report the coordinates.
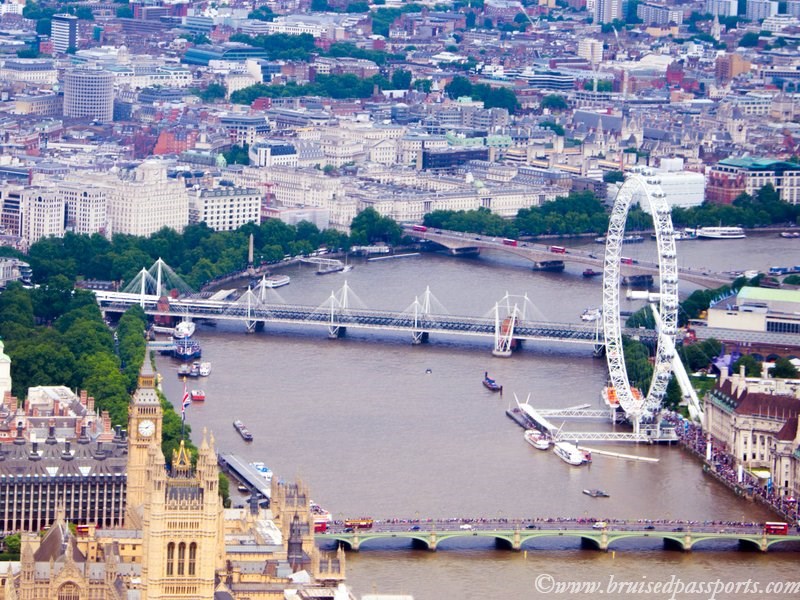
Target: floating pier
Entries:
(619, 455)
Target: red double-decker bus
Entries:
(776, 528)
(419, 228)
(509, 242)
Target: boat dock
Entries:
(246, 473)
(406, 255)
(619, 455)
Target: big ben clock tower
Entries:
(145, 418)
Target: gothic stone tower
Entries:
(182, 537)
(144, 429)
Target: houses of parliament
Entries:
(177, 541)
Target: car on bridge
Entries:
(599, 525)
(466, 526)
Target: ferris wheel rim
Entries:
(646, 183)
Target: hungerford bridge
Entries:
(506, 324)
(522, 535)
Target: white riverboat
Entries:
(205, 369)
(591, 314)
(277, 281)
(537, 439)
(569, 453)
(183, 330)
(720, 233)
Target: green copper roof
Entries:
(759, 164)
(768, 294)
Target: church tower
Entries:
(145, 418)
(182, 533)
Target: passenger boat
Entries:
(184, 370)
(537, 439)
(638, 280)
(275, 282)
(591, 314)
(569, 453)
(198, 395)
(550, 266)
(194, 370)
(490, 383)
(320, 514)
(187, 349)
(591, 273)
(680, 235)
(595, 493)
(627, 239)
(243, 431)
(205, 369)
(720, 233)
(183, 330)
(263, 470)
(790, 234)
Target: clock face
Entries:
(147, 428)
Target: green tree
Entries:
(423, 85)
(124, 12)
(458, 87)
(370, 227)
(12, 543)
(783, 369)
(262, 13)
(212, 93)
(749, 40)
(554, 102)
(225, 490)
(613, 177)
(401, 79)
(751, 365)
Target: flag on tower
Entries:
(186, 402)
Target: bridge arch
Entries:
(645, 185)
(675, 541)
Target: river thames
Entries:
(378, 427)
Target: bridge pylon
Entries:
(504, 342)
(421, 309)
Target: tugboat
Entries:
(490, 383)
(591, 273)
(243, 431)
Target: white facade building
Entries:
(758, 10)
(145, 199)
(86, 207)
(722, 8)
(42, 214)
(225, 208)
(36, 71)
(591, 50)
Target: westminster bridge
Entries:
(518, 534)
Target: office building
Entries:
(758, 10)
(606, 11)
(722, 8)
(89, 93)
(225, 208)
(64, 32)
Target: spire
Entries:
(181, 461)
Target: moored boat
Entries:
(194, 370)
(720, 233)
(537, 439)
(198, 395)
(550, 266)
(591, 273)
(277, 281)
(569, 453)
(490, 383)
(645, 280)
(263, 470)
(184, 370)
(187, 349)
(243, 431)
(790, 234)
(205, 369)
(591, 314)
(183, 330)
